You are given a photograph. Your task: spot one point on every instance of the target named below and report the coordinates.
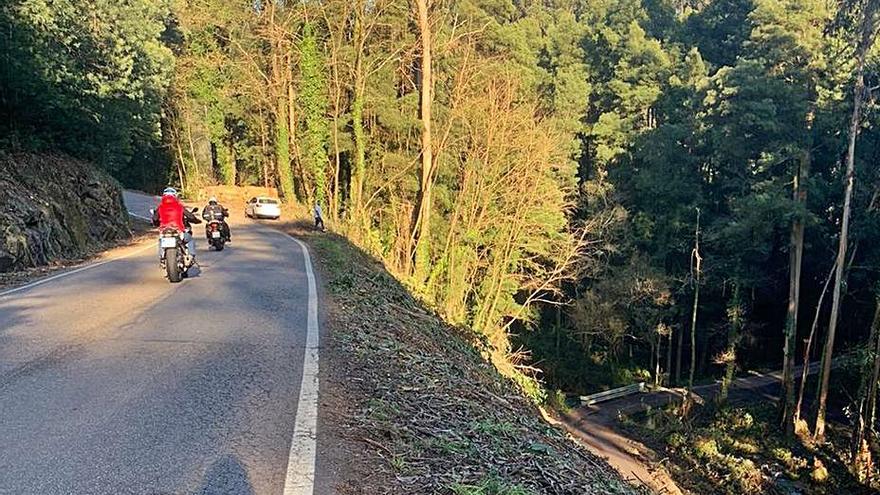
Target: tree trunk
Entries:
(264, 149)
(859, 453)
(808, 346)
(669, 347)
(678, 357)
(796, 256)
(698, 262)
(735, 317)
(282, 129)
(233, 164)
(422, 224)
(181, 165)
(298, 179)
(859, 94)
(282, 151)
(357, 119)
(334, 204)
(657, 361)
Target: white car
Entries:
(263, 207)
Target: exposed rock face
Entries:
(54, 207)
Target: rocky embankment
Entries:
(55, 208)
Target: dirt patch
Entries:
(234, 197)
(415, 407)
(631, 458)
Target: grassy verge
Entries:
(428, 412)
(742, 450)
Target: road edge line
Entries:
(300, 477)
(131, 213)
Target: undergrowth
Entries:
(743, 451)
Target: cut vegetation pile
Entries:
(420, 407)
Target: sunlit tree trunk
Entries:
(698, 265)
(357, 117)
(796, 256)
(867, 31)
(264, 155)
(422, 224)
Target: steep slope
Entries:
(53, 207)
(411, 407)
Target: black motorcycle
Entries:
(216, 236)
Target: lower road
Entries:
(114, 381)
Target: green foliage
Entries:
(313, 101)
(489, 487)
(86, 77)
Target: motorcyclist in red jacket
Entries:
(172, 213)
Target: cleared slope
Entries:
(409, 405)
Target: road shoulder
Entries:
(140, 234)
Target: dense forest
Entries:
(607, 190)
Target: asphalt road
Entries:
(114, 381)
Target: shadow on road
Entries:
(226, 476)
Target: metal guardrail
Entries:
(614, 393)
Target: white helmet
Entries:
(212, 200)
(169, 191)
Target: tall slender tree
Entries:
(867, 15)
(422, 224)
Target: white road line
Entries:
(71, 272)
(140, 216)
(300, 478)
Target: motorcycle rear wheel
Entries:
(172, 265)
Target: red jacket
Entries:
(170, 213)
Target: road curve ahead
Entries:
(113, 381)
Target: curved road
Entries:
(113, 381)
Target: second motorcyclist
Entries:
(215, 211)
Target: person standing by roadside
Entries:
(319, 219)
